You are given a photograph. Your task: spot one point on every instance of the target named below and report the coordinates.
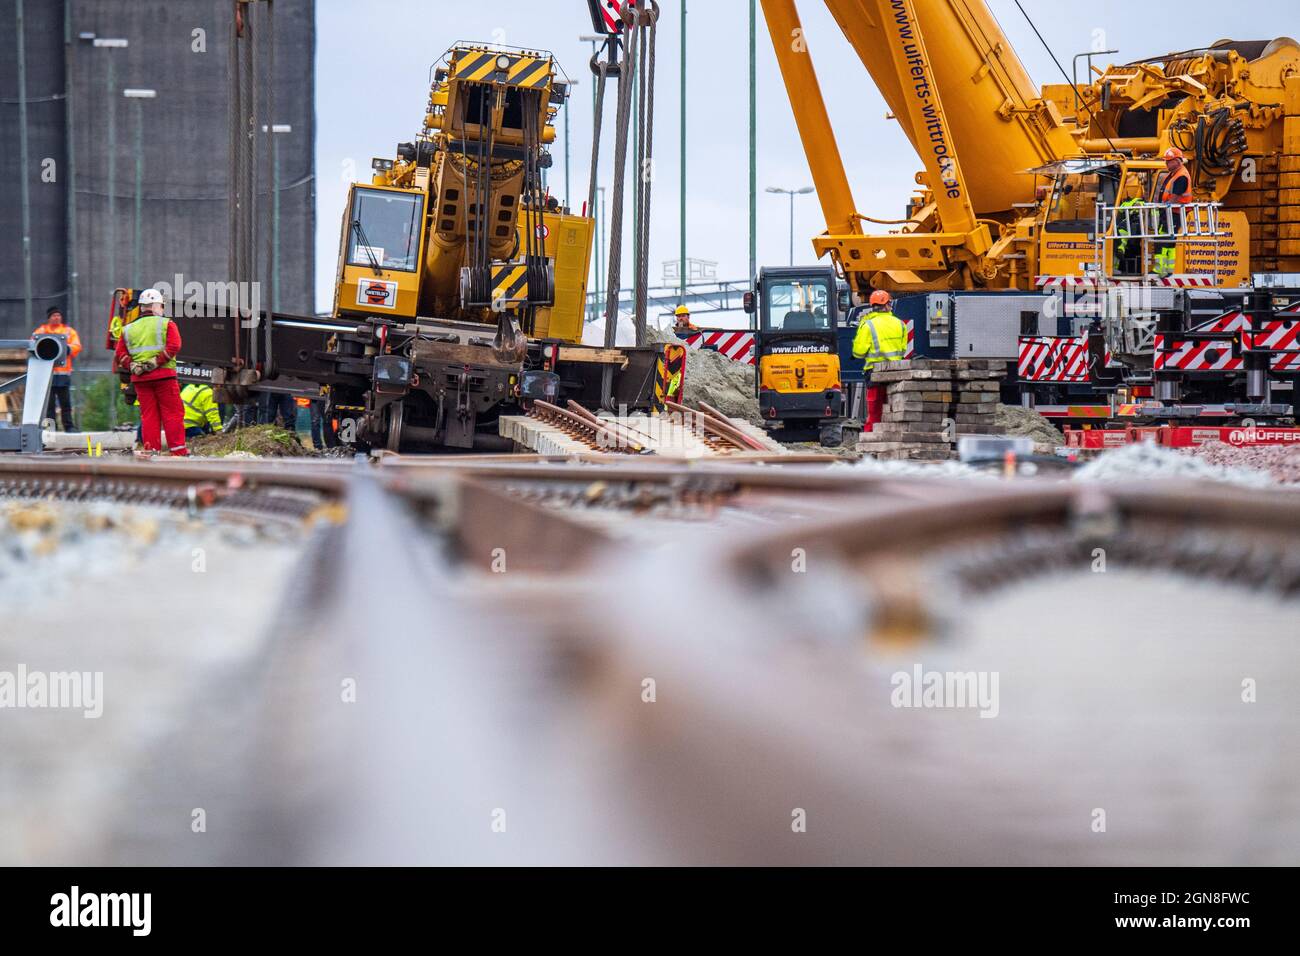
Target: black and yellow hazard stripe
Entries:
(481, 66)
(474, 65)
(670, 375)
(530, 72)
(510, 282)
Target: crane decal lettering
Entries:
(930, 112)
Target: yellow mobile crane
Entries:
(461, 284)
(1024, 189)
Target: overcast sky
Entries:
(373, 70)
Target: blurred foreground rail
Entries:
(510, 660)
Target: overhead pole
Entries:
(568, 182)
(753, 139)
(23, 167)
(682, 258)
(70, 173)
(112, 173)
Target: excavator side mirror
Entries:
(750, 303)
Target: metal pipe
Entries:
(112, 172)
(23, 171)
(1135, 144)
(682, 277)
(70, 173)
(139, 202)
(753, 140)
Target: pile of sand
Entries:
(713, 378)
(1014, 420)
(253, 441)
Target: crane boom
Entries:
(810, 116)
(990, 110)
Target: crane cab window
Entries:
(384, 229)
(1074, 190)
(797, 306)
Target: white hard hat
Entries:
(151, 297)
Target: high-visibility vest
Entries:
(1122, 224)
(881, 337)
(1166, 261)
(200, 407)
(1170, 197)
(146, 337)
(70, 336)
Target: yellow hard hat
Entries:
(682, 310)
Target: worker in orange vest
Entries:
(1175, 189)
(61, 385)
(1176, 186)
(682, 323)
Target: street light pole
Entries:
(601, 239)
(112, 43)
(753, 142)
(596, 42)
(791, 193)
(138, 96)
(22, 165)
(682, 297)
(275, 131)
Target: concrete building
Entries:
(85, 151)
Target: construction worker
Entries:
(881, 337)
(61, 385)
(1175, 189)
(1176, 186)
(682, 321)
(147, 350)
(279, 406)
(1127, 251)
(202, 417)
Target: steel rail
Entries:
(716, 423)
(601, 433)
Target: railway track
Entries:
(501, 639)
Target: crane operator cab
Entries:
(797, 378)
(383, 241)
(1105, 219)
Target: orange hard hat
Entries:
(1173, 152)
(302, 402)
(880, 297)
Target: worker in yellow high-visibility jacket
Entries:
(202, 417)
(881, 337)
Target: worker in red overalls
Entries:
(881, 337)
(147, 350)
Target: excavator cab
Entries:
(797, 379)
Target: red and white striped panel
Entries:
(611, 11)
(1065, 282)
(1217, 356)
(1086, 282)
(737, 346)
(1054, 358)
(1282, 335)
